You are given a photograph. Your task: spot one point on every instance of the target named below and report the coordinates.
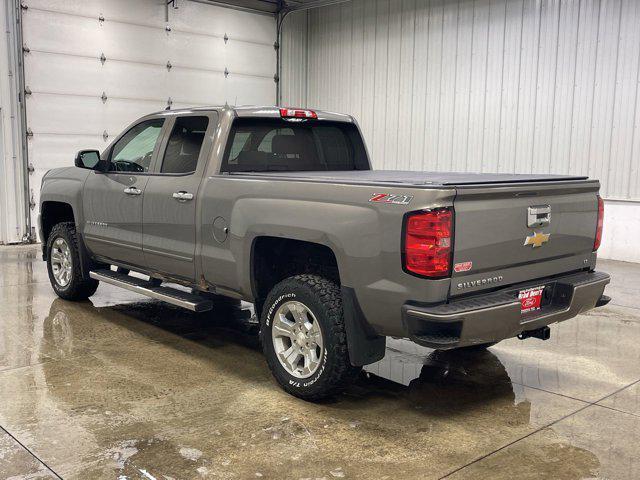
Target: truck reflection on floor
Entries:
(154, 368)
(418, 373)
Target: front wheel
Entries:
(63, 264)
(303, 337)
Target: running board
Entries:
(173, 296)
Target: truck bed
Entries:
(414, 178)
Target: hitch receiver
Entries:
(543, 333)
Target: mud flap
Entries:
(365, 346)
(86, 263)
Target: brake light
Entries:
(297, 113)
(596, 243)
(427, 243)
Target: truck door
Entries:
(171, 196)
(113, 199)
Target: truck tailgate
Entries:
(502, 238)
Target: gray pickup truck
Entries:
(280, 207)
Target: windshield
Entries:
(264, 145)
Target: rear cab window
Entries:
(267, 145)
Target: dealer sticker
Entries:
(530, 299)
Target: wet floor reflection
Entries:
(133, 384)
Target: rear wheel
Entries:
(303, 337)
(63, 264)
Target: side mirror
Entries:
(89, 159)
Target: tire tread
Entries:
(343, 372)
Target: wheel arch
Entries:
(53, 212)
(267, 267)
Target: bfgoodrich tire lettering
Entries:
(76, 288)
(322, 298)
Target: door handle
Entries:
(132, 191)
(182, 196)
(538, 216)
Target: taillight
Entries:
(297, 113)
(427, 242)
(596, 242)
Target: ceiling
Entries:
(271, 6)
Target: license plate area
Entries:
(531, 299)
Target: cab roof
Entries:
(255, 111)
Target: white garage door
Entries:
(94, 66)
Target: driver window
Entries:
(133, 152)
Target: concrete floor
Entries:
(124, 387)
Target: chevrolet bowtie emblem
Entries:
(537, 239)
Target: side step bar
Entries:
(173, 296)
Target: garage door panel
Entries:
(74, 115)
(78, 36)
(120, 113)
(64, 114)
(196, 51)
(250, 58)
(197, 87)
(251, 91)
(63, 70)
(55, 73)
(135, 43)
(51, 73)
(53, 32)
(189, 17)
(237, 25)
(132, 11)
(54, 151)
(134, 80)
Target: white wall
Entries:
(217, 56)
(294, 60)
(621, 231)
(479, 85)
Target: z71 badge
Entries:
(389, 198)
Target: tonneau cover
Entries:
(416, 178)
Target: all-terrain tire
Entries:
(77, 288)
(322, 297)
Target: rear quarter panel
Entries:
(364, 236)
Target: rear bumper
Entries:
(495, 316)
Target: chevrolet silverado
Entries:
(206, 207)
